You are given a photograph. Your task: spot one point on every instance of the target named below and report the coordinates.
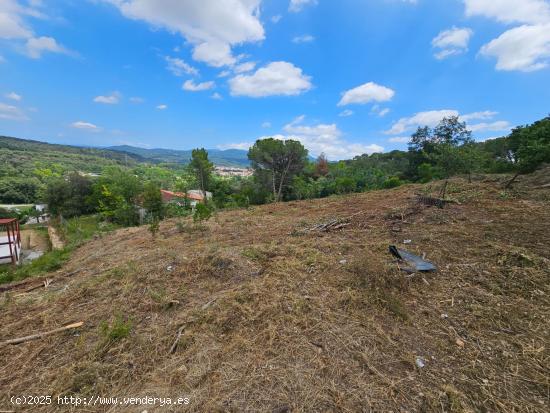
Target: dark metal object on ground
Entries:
(416, 262)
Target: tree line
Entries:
(283, 171)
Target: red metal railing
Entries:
(11, 227)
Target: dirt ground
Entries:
(275, 317)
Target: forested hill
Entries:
(229, 157)
(42, 149)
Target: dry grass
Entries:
(277, 319)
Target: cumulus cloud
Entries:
(14, 96)
(327, 139)
(216, 96)
(433, 117)
(497, 126)
(510, 11)
(211, 26)
(191, 86)
(162, 107)
(296, 6)
(244, 67)
(87, 126)
(524, 48)
(277, 78)
(317, 138)
(179, 67)
(368, 92)
(14, 27)
(36, 46)
(451, 42)
(112, 99)
(306, 38)
(10, 112)
(137, 100)
(266, 125)
(276, 19)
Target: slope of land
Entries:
(274, 317)
(228, 157)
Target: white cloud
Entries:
(137, 100)
(510, 11)
(381, 112)
(276, 19)
(36, 46)
(523, 48)
(162, 107)
(296, 6)
(191, 86)
(487, 114)
(216, 96)
(327, 139)
(214, 53)
(346, 113)
(244, 146)
(179, 67)
(86, 126)
(277, 78)
(452, 42)
(384, 112)
(429, 118)
(266, 125)
(112, 99)
(10, 112)
(12, 25)
(368, 92)
(501, 125)
(306, 38)
(244, 67)
(433, 117)
(211, 26)
(14, 96)
(399, 139)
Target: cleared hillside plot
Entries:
(271, 309)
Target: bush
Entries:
(202, 213)
(392, 182)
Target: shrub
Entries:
(202, 213)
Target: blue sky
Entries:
(344, 77)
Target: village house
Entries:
(194, 196)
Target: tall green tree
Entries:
(202, 168)
(530, 146)
(276, 162)
(152, 201)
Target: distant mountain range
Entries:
(230, 157)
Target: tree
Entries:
(202, 168)
(448, 147)
(530, 146)
(152, 201)
(276, 162)
(70, 196)
(321, 167)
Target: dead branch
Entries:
(40, 335)
(174, 346)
